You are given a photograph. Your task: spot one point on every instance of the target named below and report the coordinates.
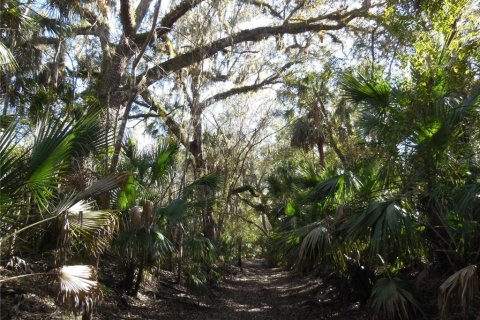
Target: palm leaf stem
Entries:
(24, 276)
(26, 228)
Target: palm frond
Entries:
(324, 189)
(469, 198)
(374, 93)
(142, 246)
(7, 60)
(316, 243)
(175, 210)
(127, 196)
(201, 249)
(304, 134)
(91, 135)
(387, 223)
(11, 161)
(52, 145)
(210, 181)
(75, 287)
(129, 148)
(104, 185)
(165, 154)
(93, 229)
(391, 300)
(461, 287)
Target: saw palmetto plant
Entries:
(408, 197)
(37, 197)
(74, 288)
(391, 299)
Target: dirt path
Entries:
(256, 293)
(263, 293)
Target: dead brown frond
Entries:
(75, 288)
(462, 287)
(148, 214)
(93, 228)
(136, 214)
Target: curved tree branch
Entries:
(339, 19)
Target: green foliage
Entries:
(128, 195)
(395, 130)
(391, 299)
(410, 193)
(316, 243)
(141, 247)
(200, 249)
(388, 226)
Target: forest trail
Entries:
(264, 293)
(258, 293)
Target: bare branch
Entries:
(141, 116)
(264, 5)
(149, 37)
(171, 124)
(126, 18)
(297, 7)
(141, 11)
(170, 19)
(253, 223)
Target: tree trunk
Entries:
(321, 152)
(127, 283)
(196, 148)
(239, 253)
(180, 258)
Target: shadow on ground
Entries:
(256, 293)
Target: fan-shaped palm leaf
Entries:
(211, 181)
(175, 210)
(7, 60)
(91, 136)
(75, 288)
(201, 249)
(374, 93)
(461, 287)
(163, 160)
(391, 300)
(316, 243)
(52, 146)
(104, 185)
(143, 246)
(92, 229)
(304, 134)
(387, 223)
(11, 160)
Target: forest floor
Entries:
(255, 292)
